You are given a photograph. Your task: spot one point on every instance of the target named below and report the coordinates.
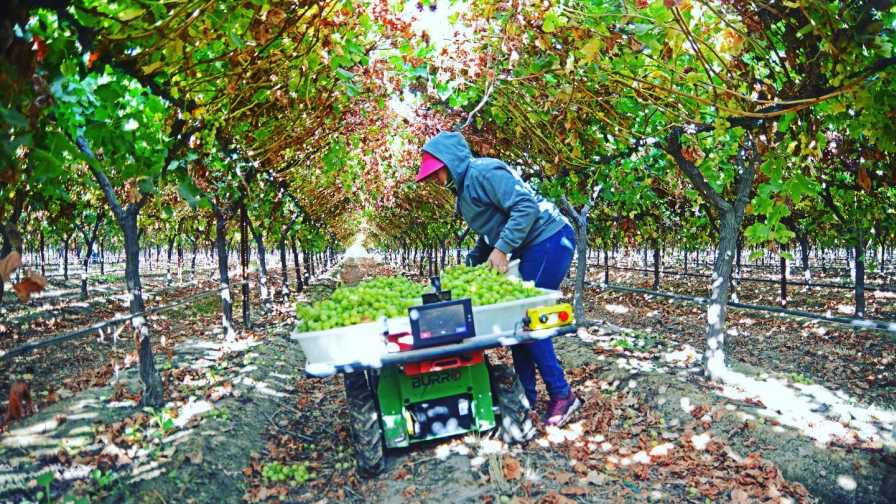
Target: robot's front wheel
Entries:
(514, 425)
(364, 421)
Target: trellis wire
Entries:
(760, 280)
(29, 347)
(879, 325)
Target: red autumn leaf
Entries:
(91, 58)
(511, 467)
(31, 284)
(863, 179)
(40, 48)
(19, 404)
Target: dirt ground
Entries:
(651, 429)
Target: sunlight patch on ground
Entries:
(661, 450)
(700, 441)
(87, 415)
(147, 471)
(557, 435)
(238, 346)
(846, 482)
(179, 437)
(445, 450)
(846, 309)
(815, 411)
(635, 364)
(190, 410)
(16, 478)
(31, 435)
(686, 356)
(615, 308)
(260, 386)
(83, 430)
(484, 448)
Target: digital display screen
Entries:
(444, 321)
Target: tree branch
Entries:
(690, 170)
(829, 201)
(746, 172)
(485, 97)
(101, 178)
(578, 216)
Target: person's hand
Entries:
(498, 261)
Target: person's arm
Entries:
(479, 253)
(511, 194)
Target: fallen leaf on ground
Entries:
(259, 494)
(195, 457)
(555, 498)
(596, 478)
(562, 477)
(738, 496)
(220, 392)
(511, 467)
(573, 490)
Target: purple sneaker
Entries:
(561, 409)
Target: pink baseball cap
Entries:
(428, 166)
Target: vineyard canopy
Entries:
(719, 124)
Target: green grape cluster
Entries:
(365, 302)
(296, 474)
(484, 286)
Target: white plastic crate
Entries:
(500, 317)
(364, 343)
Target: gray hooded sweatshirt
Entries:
(492, 198)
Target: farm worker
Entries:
(513, 220)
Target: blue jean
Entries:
(546, 263)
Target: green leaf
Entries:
(26, 139)
(592, 48)
(261, 95)
(13, 118)
(47, 166)
(146, 185)
(130, 14)
(798, 186)
(152, 67)
(69, 67)
(552, 21)
(237, 41)
(189, 192)
(757, 232)
(785, 121)
(45, 479)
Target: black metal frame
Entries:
(482, 342)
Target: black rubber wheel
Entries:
(364, 422)
(514, 423)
